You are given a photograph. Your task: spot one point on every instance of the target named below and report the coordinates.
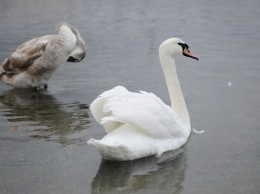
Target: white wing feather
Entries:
(144, 111)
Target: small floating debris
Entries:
(195, 131)
(14, 128)
(229, 83)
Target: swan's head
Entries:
(176, 47)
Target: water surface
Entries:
(43, 135)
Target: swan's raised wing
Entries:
(26, 54)
(144, 111)
(97, 107)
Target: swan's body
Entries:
(34, 62)
(140, 124)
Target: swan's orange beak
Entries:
(187, 53)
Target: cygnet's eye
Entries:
(71, 59)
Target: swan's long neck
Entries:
(177, 100)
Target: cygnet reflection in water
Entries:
(42, 116)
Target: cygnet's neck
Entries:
(177, 100)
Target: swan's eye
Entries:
(183, 45)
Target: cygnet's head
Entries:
(79, 52)
(176, 47)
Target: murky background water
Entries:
(43, 135)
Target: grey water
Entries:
(43, 135)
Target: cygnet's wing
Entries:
(26, 54)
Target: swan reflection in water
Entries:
(43, 117)
(146, 175)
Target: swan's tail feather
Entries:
(111, 152)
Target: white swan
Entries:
(140, 124)
(34, 62)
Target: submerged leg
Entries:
(42, 87)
